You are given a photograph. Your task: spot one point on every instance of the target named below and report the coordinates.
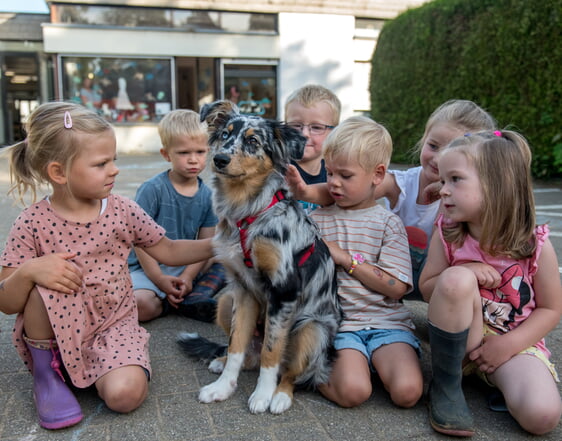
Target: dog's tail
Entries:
(199, 347)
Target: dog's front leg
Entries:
(274, 345)
(244, 317)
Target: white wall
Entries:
(317, 48)
(111, 41)
(141, 138)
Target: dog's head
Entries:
(244, 146)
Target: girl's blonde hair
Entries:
(362, 139)
(503, 163)
(52, 130)
(463, 114)
(312, 94)
(178, 123)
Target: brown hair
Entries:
(51, 137)
(503, 163)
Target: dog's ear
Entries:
(216, 114)
(292, 139)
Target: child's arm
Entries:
(171, 285)
(52, 271)
(315, 193)
(372, 276)
(180, 252)
(319, 194)
(191, 271)
(436, 262)
(496, 350)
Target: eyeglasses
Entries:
(314, 129)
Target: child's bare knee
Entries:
(126, 398)
(407, 394)
(149, 305)
(541, 419)
(125, 392)
(354, 394)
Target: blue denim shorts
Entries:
(368, 341)
(141, 281)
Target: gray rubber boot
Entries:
(448, 410)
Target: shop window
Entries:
(253, 87)
(120, 89)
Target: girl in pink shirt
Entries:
(64, 266)
(492, 283)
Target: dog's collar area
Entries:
(243, 225)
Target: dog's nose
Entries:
(221, 160)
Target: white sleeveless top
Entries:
(412, 213)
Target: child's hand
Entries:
(486, 275)
(339, 256)
(430, 193)
(491, 354)
(174, 287)
(296, 182)
(54, 271)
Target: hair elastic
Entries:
(498, 133)
(67, 120)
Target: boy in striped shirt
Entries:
(370, 248)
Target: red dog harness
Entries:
(247, 221)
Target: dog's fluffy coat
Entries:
(288, 280)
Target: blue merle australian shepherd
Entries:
(281, 276)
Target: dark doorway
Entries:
(195, 82)
(21, 85)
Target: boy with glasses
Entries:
(314, 111)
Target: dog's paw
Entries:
(217, 365)
(220, 390)
(259, 401)
(280, 403)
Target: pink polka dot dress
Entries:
(96, 328)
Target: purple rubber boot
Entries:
(56, 405)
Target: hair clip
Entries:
(67, 120)
(498, 133)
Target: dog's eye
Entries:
(225, 134)
(252, 140)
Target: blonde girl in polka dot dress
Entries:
(64, 266)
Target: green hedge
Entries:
(505, 55)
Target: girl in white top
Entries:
(414, 194)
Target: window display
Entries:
(253, 87)
(121, 89)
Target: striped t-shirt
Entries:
(381, 238)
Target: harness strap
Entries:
(243, 225)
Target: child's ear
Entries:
(378, 174)
(56, 173)
(165, 154)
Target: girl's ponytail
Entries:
(21, 173)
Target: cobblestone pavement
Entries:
(172, 411)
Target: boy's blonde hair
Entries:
(361, 139)
(181, 122)
(503, 162)
(52, 130)
(462, 114)
(312, 94)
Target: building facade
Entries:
(135, 60)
